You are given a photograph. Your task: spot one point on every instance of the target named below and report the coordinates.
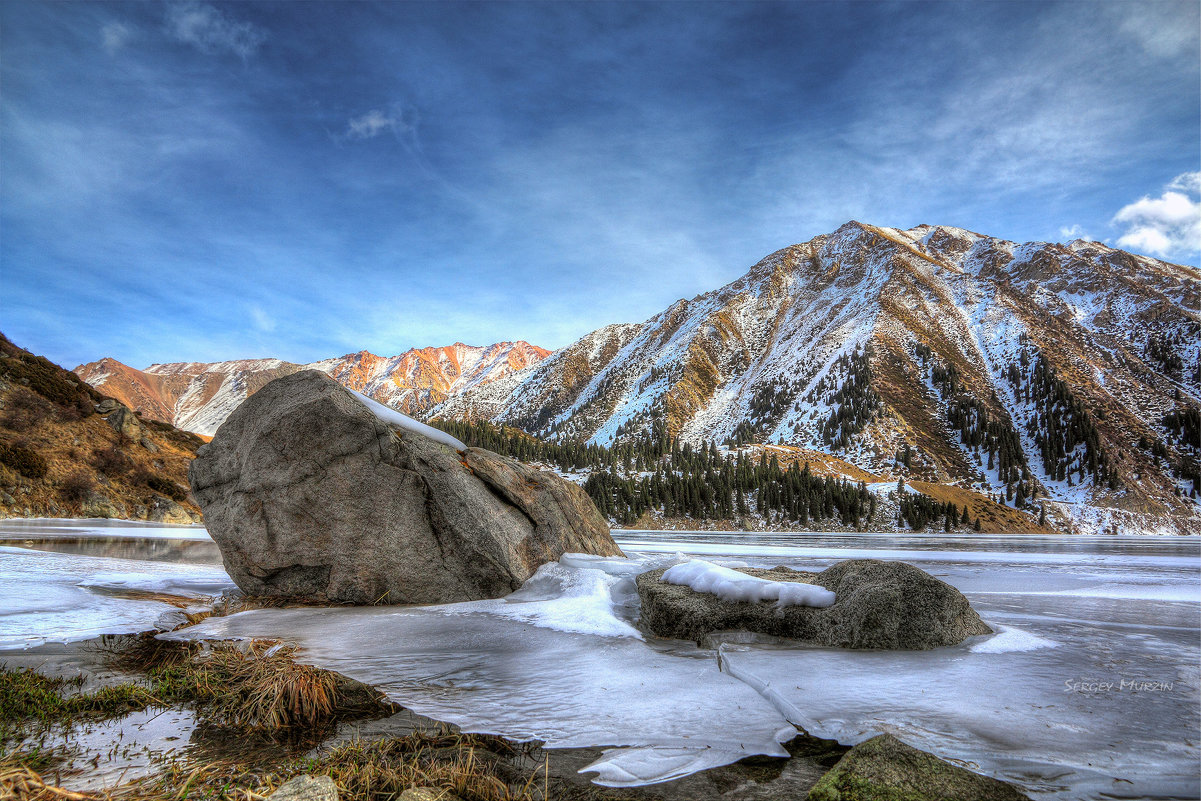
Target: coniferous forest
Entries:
(657, 473)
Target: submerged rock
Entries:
(885, 769)
(888, 605)
(310, 495)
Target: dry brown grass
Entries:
(256, 685)
(820, 464)
(70, 443)
(20, 782)
(994, 518)
(467, 766)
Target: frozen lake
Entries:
(1089, 690)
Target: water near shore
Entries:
(1089, 690)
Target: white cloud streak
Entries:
(1166, 226)
(114, 36)
(394, 119)
(211, 31)
(262, 320)
(1162, 30)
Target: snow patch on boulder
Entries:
(395, 418)
(731, 585)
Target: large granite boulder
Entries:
(886, 769)
(312, 495)
(888, 605)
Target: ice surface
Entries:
(1070, 612)
(47, 528)
(577, 596)
(1013, 709)
(730, 585)
(393, 417)
(664, 711)
(1089, 688)
(54, 597)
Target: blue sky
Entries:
(201, 181)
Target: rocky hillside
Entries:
(199, 396)
(1038, 374)
(68, 451)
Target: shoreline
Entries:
(104, 522)
(143, 762)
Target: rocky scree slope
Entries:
(68, 451)
(199, 396)
(1058, 375)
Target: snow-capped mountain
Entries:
(1067, 373)
(198, 396)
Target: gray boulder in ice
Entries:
(888, 605)
(313, 492)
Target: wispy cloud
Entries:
(1073, 232)
(212, 31)
(114, 36)
(1162, 30)
(1167, 226)
(262, 320)
(395, 119)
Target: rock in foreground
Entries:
(312, 496)
(306, 788)
(887, 605)
(885, 769)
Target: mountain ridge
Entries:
(1039, 374)
(1022, 370)
(198, 396)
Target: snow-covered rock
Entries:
(728, 584)
(858, 603)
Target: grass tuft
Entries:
(26, 695)
(255, 685)
(259, 688)
(465, 766)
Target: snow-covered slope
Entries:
(935, 353)
(198, 396)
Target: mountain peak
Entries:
(873, 341)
